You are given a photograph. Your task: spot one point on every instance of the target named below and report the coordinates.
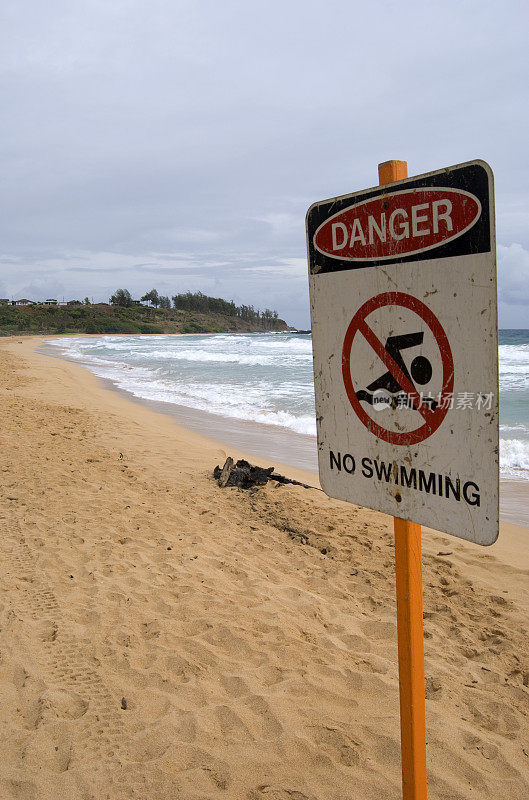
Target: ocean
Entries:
(222, 383)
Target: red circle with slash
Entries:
(358, 325)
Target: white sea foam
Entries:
(227, 400)
(216, 357)
(520, 428)
(514, 366)
(514, 458)
(296, 345)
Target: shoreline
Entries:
(273, 443)
(106, 393)
(162, 637)
(254, 438)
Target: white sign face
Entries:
(404, 330)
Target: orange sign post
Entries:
(408, 569)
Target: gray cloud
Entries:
(182, 143)
(513, 272)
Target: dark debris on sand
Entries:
(246, 475)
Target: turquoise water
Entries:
(268, 378)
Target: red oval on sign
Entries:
(398, 224)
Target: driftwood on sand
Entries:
(246, 475)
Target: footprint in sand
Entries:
(340, 747)
(266, 792)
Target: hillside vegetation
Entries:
(209, 315)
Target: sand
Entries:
(162, 638)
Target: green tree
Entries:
(164, 302)
(122, 297)
(86, 301)
(151, 297)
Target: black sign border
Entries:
(473, 178)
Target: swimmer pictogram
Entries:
(420, 371)
(399, 379)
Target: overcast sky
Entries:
(177, 144)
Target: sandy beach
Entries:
(162, 638)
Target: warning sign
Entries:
(398, 383)
(403, 305)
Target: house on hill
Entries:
(23, 302)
